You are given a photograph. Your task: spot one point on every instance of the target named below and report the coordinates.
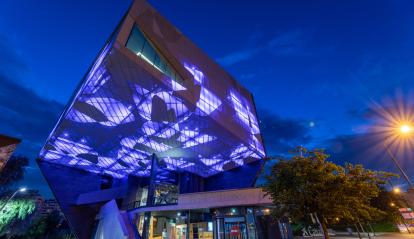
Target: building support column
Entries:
(151, 196)
(187, 235)
(146, 226)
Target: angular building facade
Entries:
(158, 141)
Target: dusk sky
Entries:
(315, 68)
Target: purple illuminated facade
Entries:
(121, 115)
(153, 121)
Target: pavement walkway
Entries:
(378, 236)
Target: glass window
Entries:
(136, 41)
(138, 44)
(167, 71)
(162, 66)
(157, 62)
(148, 53)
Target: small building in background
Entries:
(7, 146)
(49, 206)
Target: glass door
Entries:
(235, 230)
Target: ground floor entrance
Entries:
(216, 223)
(232, 228)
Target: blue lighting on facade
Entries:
(116, 122)
(155, 119)
(208, 102)
(197, 74)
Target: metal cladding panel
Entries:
(179, 105)
(186, 57)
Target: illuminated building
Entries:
(158, 141)
(7, 147)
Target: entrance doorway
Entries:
(231, 228)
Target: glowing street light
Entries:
(405, 129)
(400, 131)
(20, 190)
(396, 190)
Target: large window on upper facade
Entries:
(143, 48)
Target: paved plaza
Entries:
(378, 236)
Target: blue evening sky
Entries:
(314, 67)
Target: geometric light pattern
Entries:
(133, 103)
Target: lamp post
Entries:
(397, 191)
(394, 159)
(20, 190)
(403, 130)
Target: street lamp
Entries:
(20, 190)
(404, 130)
(396, 190)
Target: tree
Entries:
(310, 184)
(36, 230)
(17, 209)
(389, 202)
(49, 227)
(12, 172)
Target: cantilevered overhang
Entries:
(216, 199)
(152, 91)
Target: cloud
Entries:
(238, 56)
(281, 135)
(10, 61)
(368, 149)
(23, 113)
(287, 43)
(354, 148)
(26, 115)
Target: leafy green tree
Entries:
(13, 172)
(63, 232)
(36, 230)
(389, 202)
(17, 209)
(50, 227)
(310, 184)
(53, 221)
